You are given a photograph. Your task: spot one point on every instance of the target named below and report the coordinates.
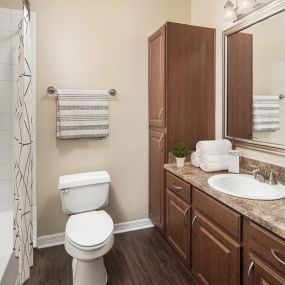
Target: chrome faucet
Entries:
(258, 175)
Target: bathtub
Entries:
(8, 262)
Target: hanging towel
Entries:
(214, 147)
(195, 159)
(82, 114)
(266, 113)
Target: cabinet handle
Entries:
(184, 216)
(250, 270)
(276, 257)
(160, 113)
(193, 224)
(176, 187)
(160, 141)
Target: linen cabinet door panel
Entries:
(157, 78)
(216, 258)
(177, 225)
(156, 179)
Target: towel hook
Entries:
(52, 91)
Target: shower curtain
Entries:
(23, 155)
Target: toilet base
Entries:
(89, 272)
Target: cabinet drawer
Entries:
(267, 247)
(228, 220)
(178, 186)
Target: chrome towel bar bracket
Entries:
(52, 91)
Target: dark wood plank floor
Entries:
(137, 258)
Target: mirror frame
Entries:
(256, 16)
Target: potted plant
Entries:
(180, 151)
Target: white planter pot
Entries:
(180, 161)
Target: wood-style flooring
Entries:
(137, 258)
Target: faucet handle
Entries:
(255, 170)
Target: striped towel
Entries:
(266, 113)
(82, 114)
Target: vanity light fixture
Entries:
(245, 6)
(231, 11)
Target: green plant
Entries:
(180, 150)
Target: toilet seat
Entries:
(90, 230)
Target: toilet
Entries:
(89, 230)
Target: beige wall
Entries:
(210, 13)
(97, 44)
(12, 4)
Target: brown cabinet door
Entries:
(240, 86)
(216, 258)
(259, 273)
(157, 79)
(177, 225)
(156, 179)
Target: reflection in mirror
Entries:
(256, 82)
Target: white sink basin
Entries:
(245, 186)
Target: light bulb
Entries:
(245, 6)
(229, 11)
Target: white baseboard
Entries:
(133, 226)
(50, 240)
(58, 239)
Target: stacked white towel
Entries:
(195, 159)
(212, 155)
(214, 147)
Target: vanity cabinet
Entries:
(181, 99)
(264, 256)
(178, 216)
(216, 252)
(217, 244)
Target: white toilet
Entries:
(88, 233)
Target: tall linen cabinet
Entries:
(181, 100)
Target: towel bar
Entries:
(52, 91)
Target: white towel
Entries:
(215, 158)
(214, 166)
(214, 147)
(82, 114)
(195, 159)
(266, 113)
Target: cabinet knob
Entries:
(250, 271)
(193, 224)
(276, 257)
(184, 216)
(161, 138)
(160, 113)
(176, 187)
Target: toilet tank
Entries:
(84, 192)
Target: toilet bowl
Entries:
(89, 232)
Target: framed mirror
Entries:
(254, 80)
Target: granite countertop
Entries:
(269, 214)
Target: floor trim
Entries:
(58, 239)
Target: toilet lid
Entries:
(89, 229)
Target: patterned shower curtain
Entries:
(23, 156)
